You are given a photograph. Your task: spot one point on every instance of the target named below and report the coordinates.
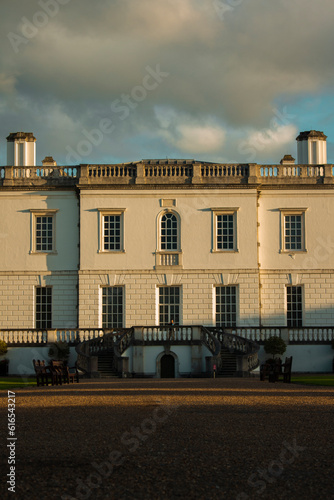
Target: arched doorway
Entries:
(167, 365)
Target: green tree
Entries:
(59, 350)
(3, 347)
(275, 345)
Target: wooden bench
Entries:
(43, 373)
(61, 372)
(286, 370)
(56, 369)
(273, 371)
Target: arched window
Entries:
(169, 232)
(168, 251)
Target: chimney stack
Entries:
(312, 148)
(49, 162)
(21, 149)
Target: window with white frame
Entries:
(293, 230)
(168, 251)
(112, 306)
(43, 235)
(169, 304)
(226, 306)
(43, 309)
(169, 232)
(225, 229)
(294, 296)
(111, 230)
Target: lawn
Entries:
(15, 382)
(311, 379)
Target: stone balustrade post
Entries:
(285, 335)
(9, 176)
(52, 336)
(140, 178)
(83, 174)
(254, 173)
(197, 175)
(137, 333)
(328, 174)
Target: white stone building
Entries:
(222, 250)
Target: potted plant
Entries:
(59, 350)
(274, 346)
(3, 362)
(273, 366)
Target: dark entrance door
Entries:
(167, 366)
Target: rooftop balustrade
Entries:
(167, 172)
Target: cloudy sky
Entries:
(124, 80)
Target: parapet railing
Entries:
(224, 171)
(303, 335)
(36, 336)
(293, 171)
(37, 173)
(111, 171)
(98, 338)
(168, 172)
(310, 335)
(169, 333)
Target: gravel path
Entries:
(237, 439)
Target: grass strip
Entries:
(320, 379)
(15, 382)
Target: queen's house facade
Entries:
(167, 268)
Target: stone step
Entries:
(105, 363)
(228, 363)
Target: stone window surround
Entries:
(157, 301)
(175, 254)
(101, 304)
(302, 304)
(110, 211)
(292, 211)
(224, 211)
(214, 302)
(48, 300)
(34, 213)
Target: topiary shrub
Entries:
(3, 347)
(59, 350)
(275, 345)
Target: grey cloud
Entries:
(232, 71)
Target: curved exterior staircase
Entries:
(102, 356)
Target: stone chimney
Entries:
(21, 149)
(49, 162)
(287, 160)
(312, 148)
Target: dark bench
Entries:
(286, 370)
(61, 372)
(43, 373)
(273, 371)
(56, 373)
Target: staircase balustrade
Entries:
(106, 340)
(167, 333)
(211, 341)
(239, 345)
